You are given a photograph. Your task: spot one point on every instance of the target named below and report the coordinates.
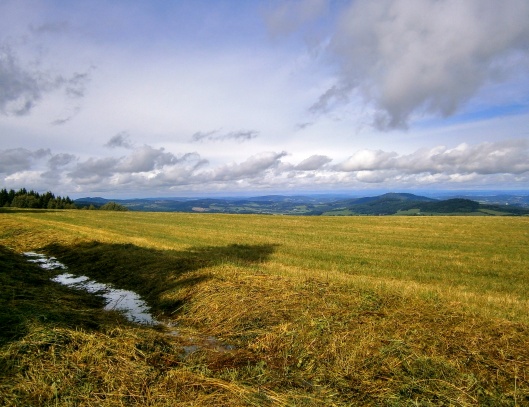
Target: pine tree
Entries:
(4, 197)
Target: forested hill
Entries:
(387, 204)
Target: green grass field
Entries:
(270, 310)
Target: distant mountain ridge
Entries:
(394, 196)
(314, 205)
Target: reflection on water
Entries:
(47, 263)
(128, 302)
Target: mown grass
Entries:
(304, 311)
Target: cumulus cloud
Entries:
(94, 170)
(373, 177)
(143, 166)
(408, 57)
(143, 159)
(250, 168)
(216, 135)
(57, 161)
(148, 168)
(20, 159)
(313, 163)
(146, 159)
(185, 172)
(486, 158)
(57, 165)
(368, 160)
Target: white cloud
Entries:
(58, 161)
(145, 159)
(409, 57)
(147, 168)
(93, 170)
(368, 160)
(372, 177)
(510, 156)
(249, 168)
(183, 173)
(20, 159)
(312, 163)
(215, 135)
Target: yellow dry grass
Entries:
(316, 310)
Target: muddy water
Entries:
(128, 302)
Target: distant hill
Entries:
(515, 199)
(392, 197)
(386, 204)
(456, 205)
(91, 201)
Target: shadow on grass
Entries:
(26, 210)
(154, 273)
(28, 296)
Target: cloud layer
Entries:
(148, 168)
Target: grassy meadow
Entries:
(268, 310)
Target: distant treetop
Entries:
(113, 206)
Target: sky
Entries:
(130, 98)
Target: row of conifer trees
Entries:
(31, 199)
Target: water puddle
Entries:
(125, 301)
(47, 263)
(128, 302)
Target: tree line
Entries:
(34, 200)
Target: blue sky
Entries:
(176, 98)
